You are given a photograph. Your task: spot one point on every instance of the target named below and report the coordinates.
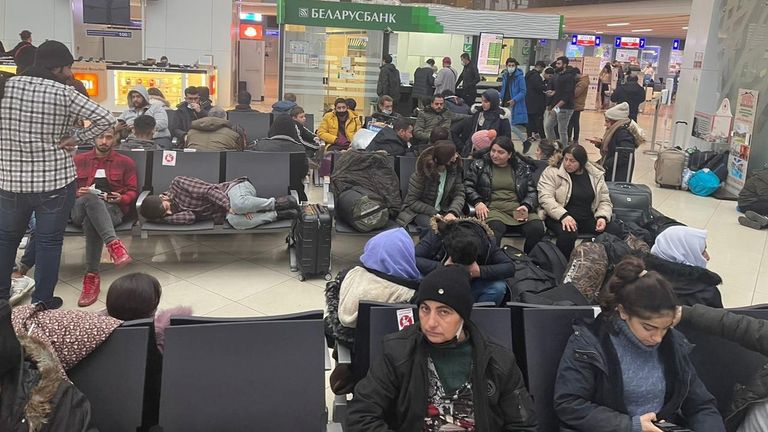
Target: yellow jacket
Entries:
(329, 127)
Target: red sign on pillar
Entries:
(251, 31)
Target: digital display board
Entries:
(489, 57)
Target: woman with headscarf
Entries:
(620, 132)
(283, 136)
(680, 255)
(486, 115)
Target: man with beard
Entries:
(560, 108)
(138, 105)
(435, 115)
(338, 127)
(37, 173)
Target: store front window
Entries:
(324, 63)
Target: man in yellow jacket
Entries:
(334, 136)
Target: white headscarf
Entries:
(682, 245)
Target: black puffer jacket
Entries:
(493, 262)
(393, 397)
(370, 171)
(387, 140)
(478, 183)
(389, 81)
(622, 138)
(693, 285)
(752, 334)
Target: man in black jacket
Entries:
(393, 140)
(23, 53)
(469, 242)
(470, 77)
(189, 110)
(536, 99)
(631, 93)
(389, 79)
(560, 107)
(424, 83)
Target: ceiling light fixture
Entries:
(641, 30)
(685, 28)
(617, 24)
(598, 32)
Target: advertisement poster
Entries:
(591, 67)
(740, 148)
(574, 51)
(626, 55)
(489, 57)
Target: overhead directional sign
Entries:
(109, 33)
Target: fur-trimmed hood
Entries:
(476, 108)
(426, 155)
(40, 399)
(471, 221)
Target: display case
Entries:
(171, 81)
(8, 66)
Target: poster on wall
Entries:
(489, 57)
(591, 68)
(574, 51)
(741, 137)
(626, 55)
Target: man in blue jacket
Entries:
(513, 91)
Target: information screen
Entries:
(489, 60)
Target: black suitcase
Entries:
(311, 239)
(631, 202)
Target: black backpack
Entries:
(547, 256)
(719, 165)
(362, 209)
(534, 285)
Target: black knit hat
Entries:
(448, 285)
(52, 54)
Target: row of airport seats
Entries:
(256, 124)
(234, 373)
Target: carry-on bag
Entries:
(631, 202)
(669, 167)
(311, 237)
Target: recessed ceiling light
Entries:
(685, 28)
(641, 30)
(617, 24)
(598, 32)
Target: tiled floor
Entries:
(248, 275)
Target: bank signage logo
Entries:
(304, 12)
(345, 15)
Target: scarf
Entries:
(608, 136)
(683, 245)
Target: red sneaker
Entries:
(118, 253)
(91, 288)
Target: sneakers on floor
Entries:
(20, 287)
(119, 253)
(757, 217)
(91, 288)
(749, 223)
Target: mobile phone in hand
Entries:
(670, 427)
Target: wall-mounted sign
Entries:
(251, 31)
(585, 40)
(250, 16)
(90, 81)
(489, 57)
(676, 44)
(109, 33)
(629, 42)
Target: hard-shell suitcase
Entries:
(631, 202)
(669, 167)
(311, 238)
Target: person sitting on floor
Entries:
(499, 184)
(395, 140)
(753, 201)
(435, 187)
(107, 191)
(573, 193)
(143, 131)
(215, 133)
(629, 368)
(189, 200)
(680, 255)
(136, 296)
(442, 373)
(469, 242)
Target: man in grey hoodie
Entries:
(138, 104)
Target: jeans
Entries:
(574, 126)
(533, 231)
(51, 213)
(566, 240)
(243, 200)
(28, 259)
(98, 219)
(557, 122)
(516, 131)
(489, 291)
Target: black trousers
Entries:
(566, 240)
(533, 231)
(574, 126)
(760, 207)
(536, 124)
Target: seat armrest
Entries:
(327, 195)
(343, 353)
(139, 201)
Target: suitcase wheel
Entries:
(302, 278)
(328, 277)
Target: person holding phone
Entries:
(107, 190)
(629, 370)
(500, 185)
(574, 195)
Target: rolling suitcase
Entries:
(669, 167)
(623, 153)
(631, 202)
(311, 239)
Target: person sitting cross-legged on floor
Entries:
(106, 192)
(189, 200)
(469, 242)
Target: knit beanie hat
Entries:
(619, 112)
(52, 54)
(450, 286)
(482, 139)
(444, 152)
(447, 61)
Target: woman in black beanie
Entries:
(442, 371)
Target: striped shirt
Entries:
(35, 115)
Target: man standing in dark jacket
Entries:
(23, 53)
(470, 77)
(536, 99)
(442, 373)
(394, 140)
(389, 79)
(469, 242)
(424, 83)
(631, 93)
(560, 108)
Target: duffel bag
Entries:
(362, 210)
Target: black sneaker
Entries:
(526, 146)
(750, 223)
(287, 214)
(50, 304)
(757, 217)
(286, 203)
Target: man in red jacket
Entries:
(106, 182)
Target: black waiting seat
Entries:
(236, 376)
(255, 124)
(113, 376)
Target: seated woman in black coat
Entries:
(629, 368)
(500, 184)
(486, 115)
(442, 373)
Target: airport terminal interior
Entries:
(700, 69)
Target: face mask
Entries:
(511, 69)
(387, 111)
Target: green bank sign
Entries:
(358, 16)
